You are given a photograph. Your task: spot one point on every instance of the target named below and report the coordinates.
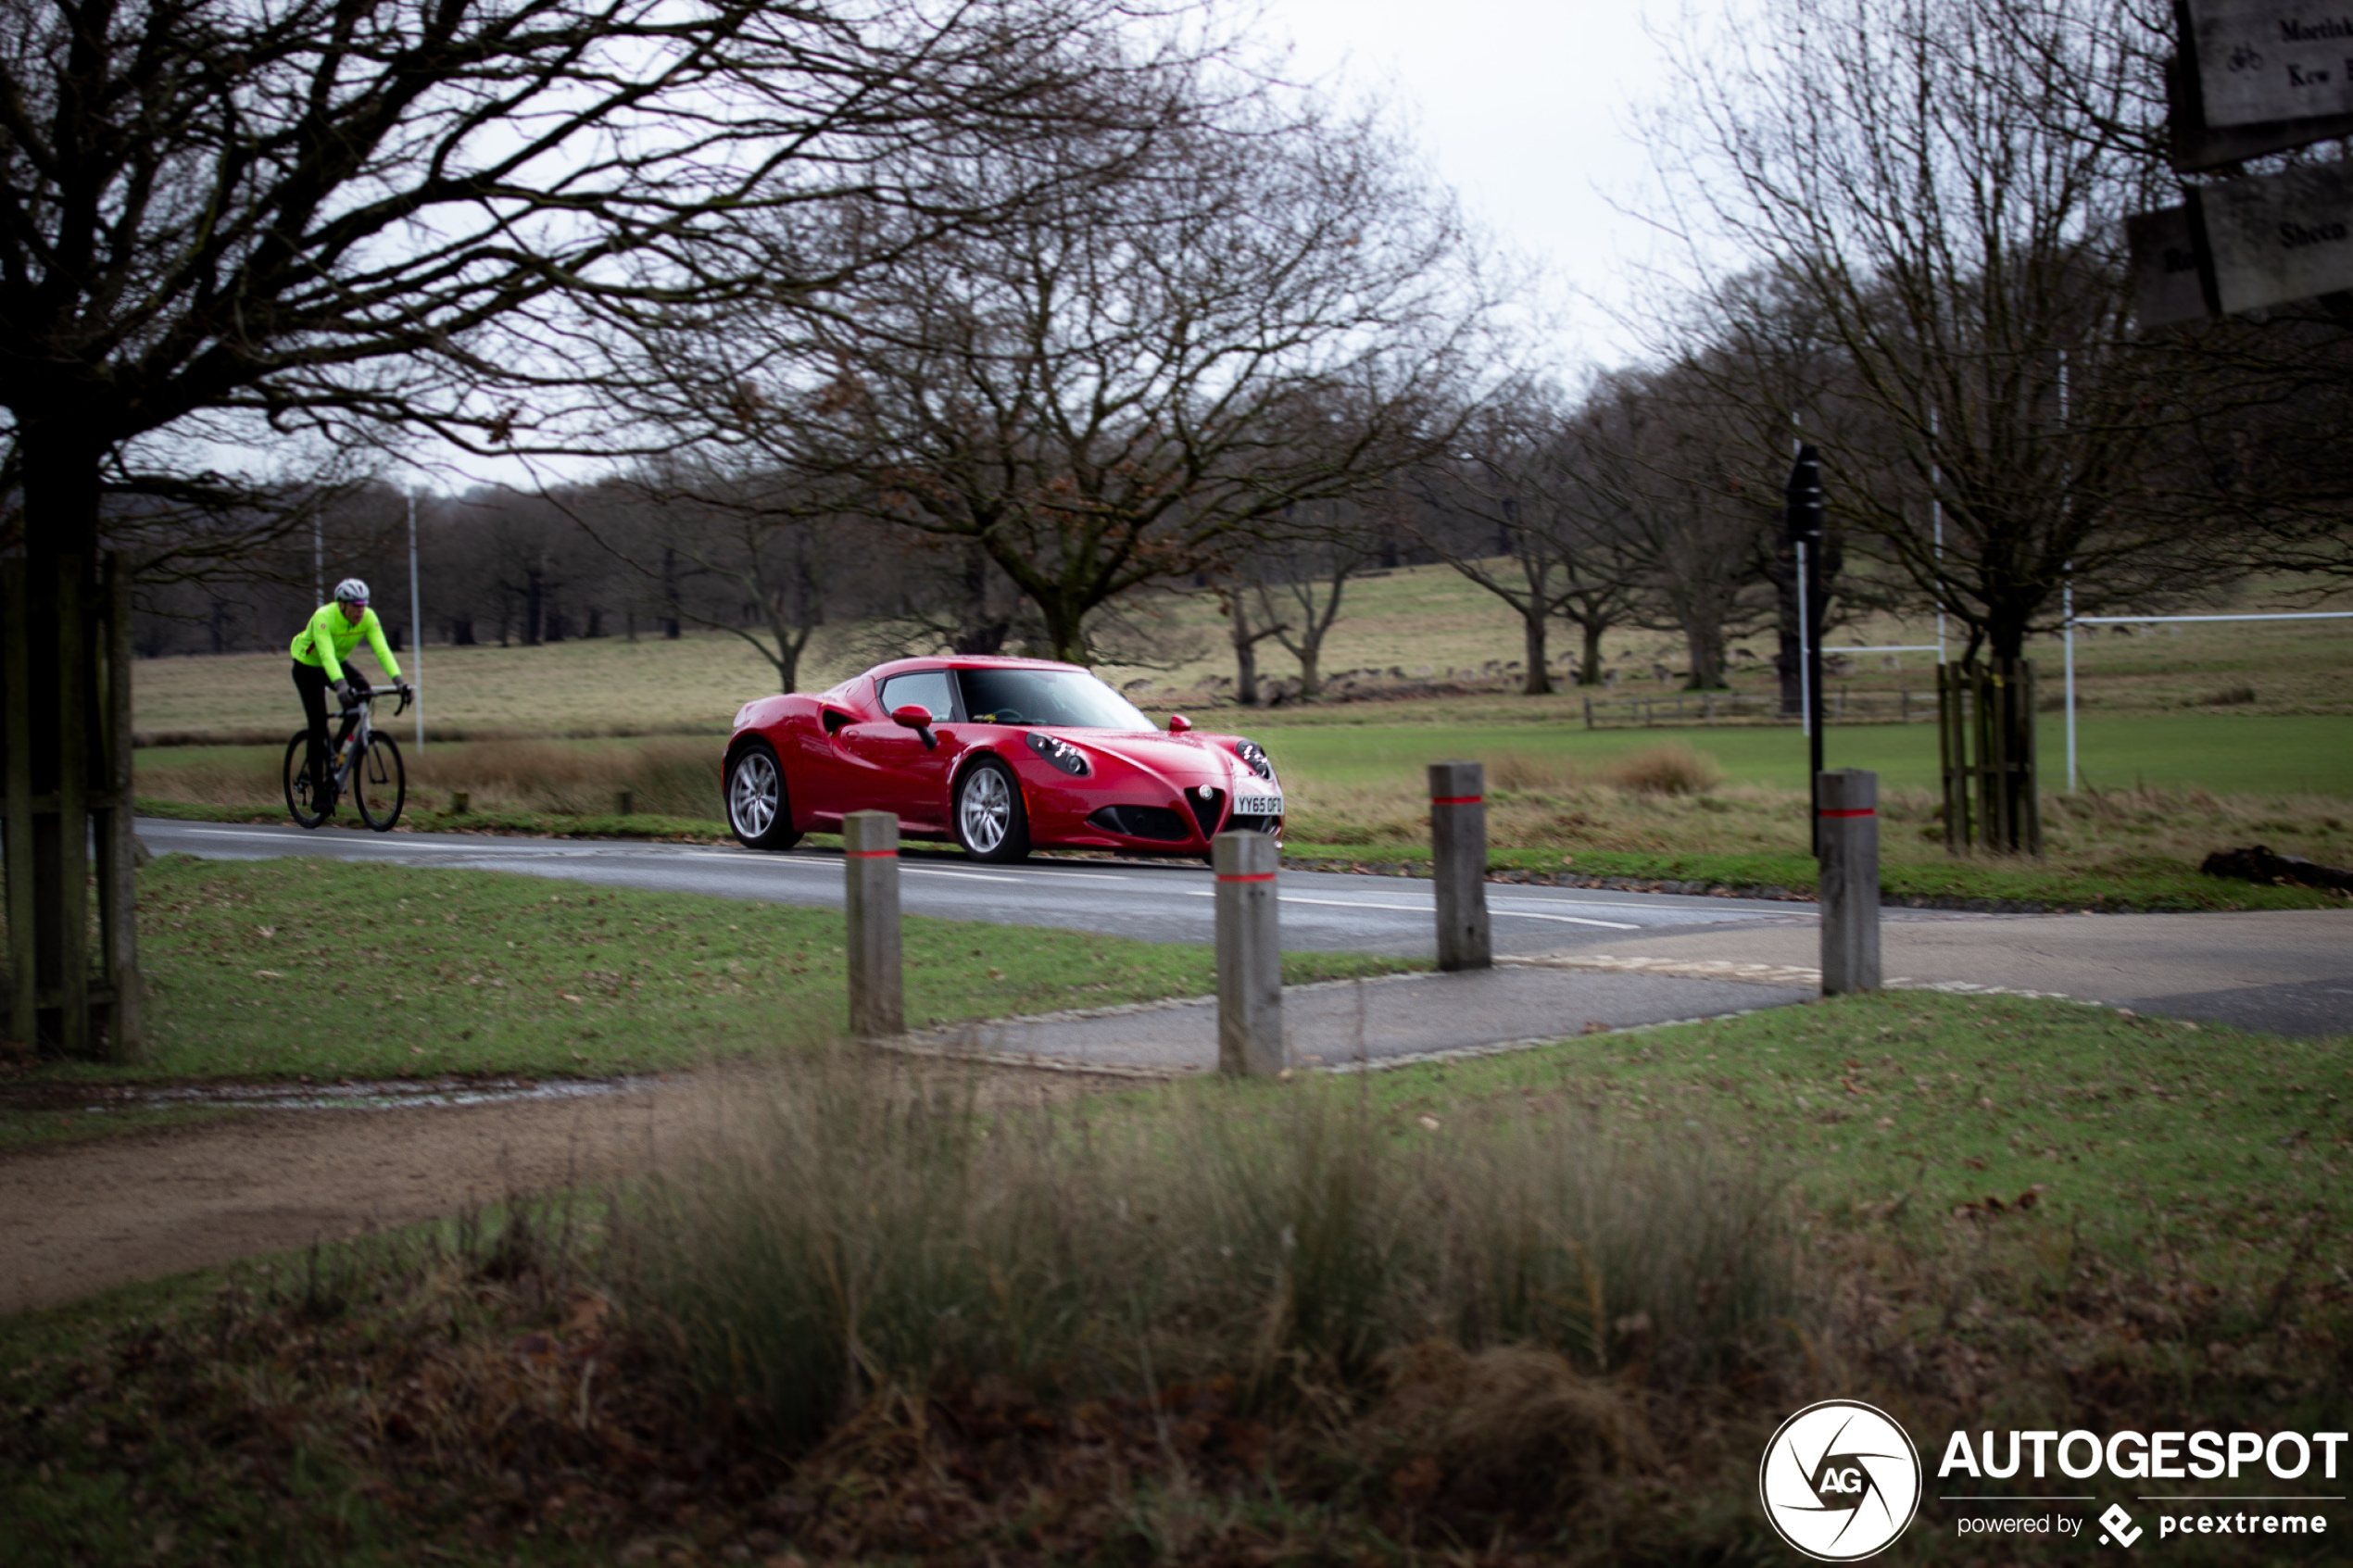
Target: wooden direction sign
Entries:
(2193, 144)
(2242, 245)
(2280, 237)
(2261, 60)
(2165, 288)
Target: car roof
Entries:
(970, 661)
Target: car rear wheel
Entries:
(758, 810)
(991, 822)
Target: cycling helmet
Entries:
(351, 590)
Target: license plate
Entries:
(1258, 804)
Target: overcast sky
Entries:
(1526, 109)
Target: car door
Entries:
(891, 770)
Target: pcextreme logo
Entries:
(1840, 1480)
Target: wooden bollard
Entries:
(870, 872)
(1846, 806)
(1458, 864)
(1249, 956)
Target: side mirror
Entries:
(916, 717)
(1178, 723)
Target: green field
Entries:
(2231, 755)
(1426, 622)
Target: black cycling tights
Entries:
(311, 680)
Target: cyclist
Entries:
(319, 649)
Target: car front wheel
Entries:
(757, 809)
(991, 822)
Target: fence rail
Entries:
(1901, 706)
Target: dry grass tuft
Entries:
(669, 778)
(1671, 769)
(861, 1231)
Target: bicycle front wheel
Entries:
(309, 808)
(379, 784)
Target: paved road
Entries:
(1154, 901)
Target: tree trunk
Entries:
(1245, 647)
(1310, 655)
(670, 629)
(1590, 672)
(534, 605)
(65, 650)
(1704, 639)
(1534, 625)
(461, 632)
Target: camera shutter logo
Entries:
(1840, 1480)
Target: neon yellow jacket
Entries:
(329, 639)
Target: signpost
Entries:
(2254, 77)
(2267, 60)
(1804, 519)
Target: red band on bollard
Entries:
(870, 854)
(1866, 811)
(1457, 799)
(1255, 876)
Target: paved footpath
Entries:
(2284, 971)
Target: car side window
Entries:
(927, 688)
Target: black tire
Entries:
(758, 806)
(306, 811)
(379, 784)
(991, 823)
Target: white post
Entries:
(2067, 583)
(1804, 685)
(1936, 520)
(416, 627)
(2067, 613)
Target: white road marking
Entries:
(970, 876)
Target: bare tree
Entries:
(1261, 309)
(1520, 511)
(1305, 572)
(1895, 162)
(222, 222)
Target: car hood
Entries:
(1195, 758)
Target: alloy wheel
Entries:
(985, 809)
(752, 799)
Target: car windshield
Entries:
(1047, 697)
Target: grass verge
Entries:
(1391, 1319)
(2003, 884)
(327, 969)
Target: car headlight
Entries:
(1061, 753)
(1255, 757)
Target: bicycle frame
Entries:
(359, 713)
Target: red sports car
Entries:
(1001, 754)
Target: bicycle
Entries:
(364, 763)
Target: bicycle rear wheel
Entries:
(308, 809)
(379, 784)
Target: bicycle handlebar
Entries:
(404, 691)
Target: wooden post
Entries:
(1589, 712)
(1458, 864)
(1250, 956)
(1848, 813)
(16, 694)
(870, 861)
